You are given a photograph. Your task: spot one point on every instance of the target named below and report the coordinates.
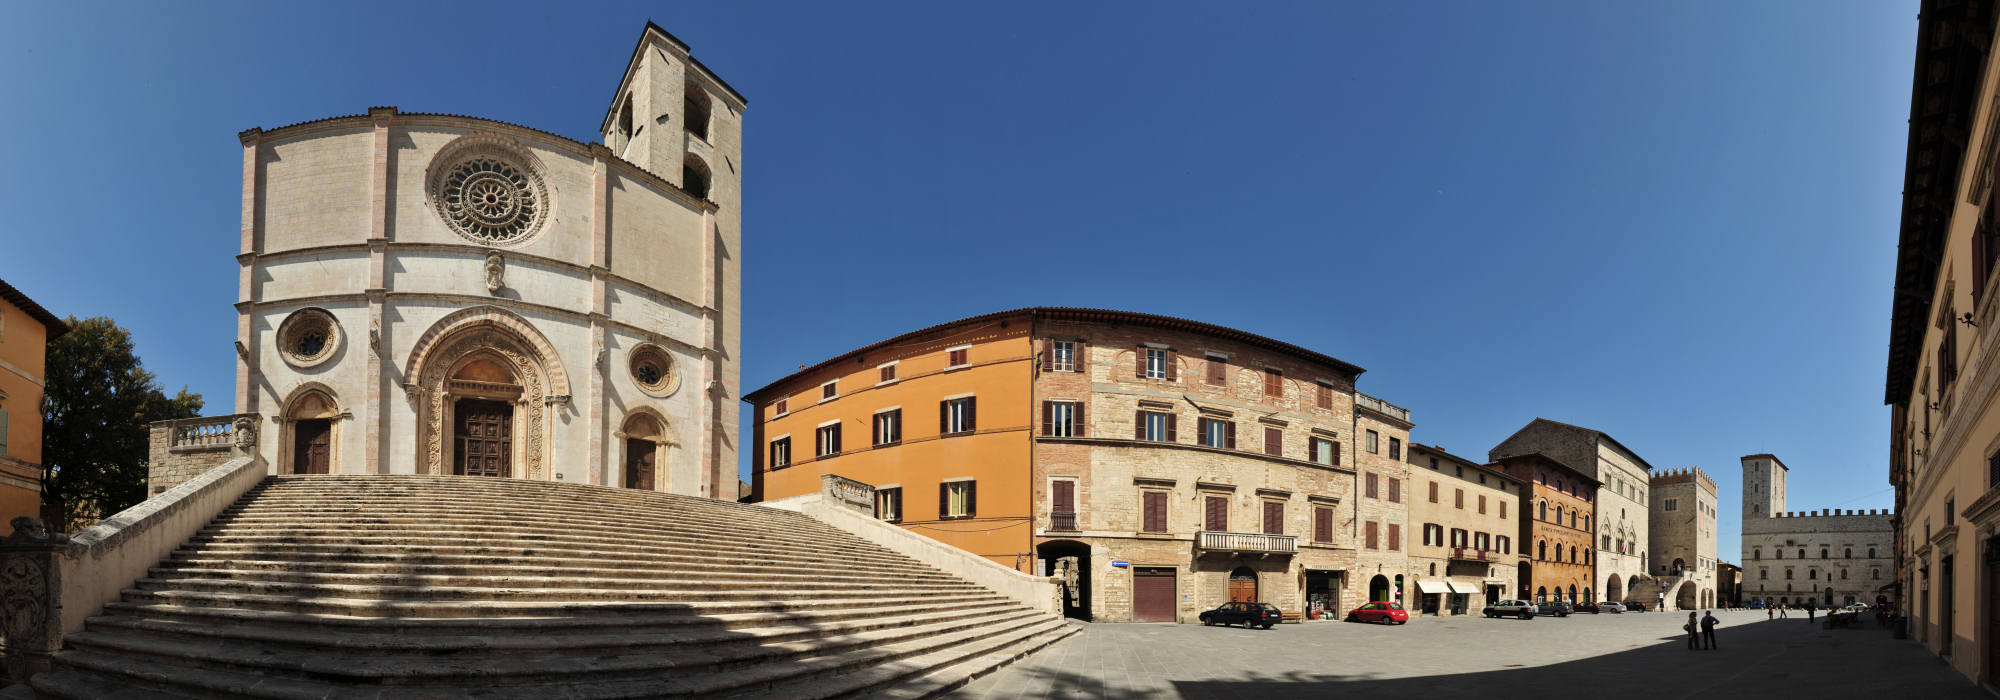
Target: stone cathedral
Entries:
(444, 294)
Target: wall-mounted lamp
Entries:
(1967, 320)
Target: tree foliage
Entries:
(96, 411)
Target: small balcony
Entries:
(1470, 554)
(1062, 522)
(1247, 542)
(1383, 407)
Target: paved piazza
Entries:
(1637, 653)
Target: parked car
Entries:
(1554, 607)
(1586, 607)
(1385, 612)
(1248, 614)
(1636, 606)
(1855, 608)
(1756, 605)
(1611, 606)
(1511, 608)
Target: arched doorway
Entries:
(1069, 562)
(309, 431)
(1541, 594)
(1586, 595)
(1686, 598)
(1679, 564)
(1829, 597)
(1632, 584)
(645, 446)
(1572, 593)
(1378, 588)
(1243, 585)
(1613, 591)
(484, 383)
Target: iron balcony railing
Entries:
(1470, 554)
(1062, 522)
(1247, 542)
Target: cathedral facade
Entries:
(443, 294)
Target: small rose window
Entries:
(308, 337)
(653, 370)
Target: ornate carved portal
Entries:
(488, 363)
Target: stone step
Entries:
(915, 660)
(368, 607)
(551, 662)
(578, 543)
(665, 584)
(422, 511)
(650, 571)
(945, 679)
(334, 556)
(389, 592)
(821, 618)
(390, 639)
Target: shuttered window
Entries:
(1064, 498)
(1325, 451)
(1155, 426)
(889, 427)
(1274, 441)
(1062, 418)
(1322, 524)
(1157, 363)
(1218, 370)
(1154, 507)
(1325, 396)
(959, 357)
(1218, 433)
(1370, 483)
(1395, 490)
(1368, 535)
(1395, 537)
(957, 500)
(1458, 498)
(1274, 383)
(957, 416)
(1274, 518)
(889, 504)
(1216, 513)
(781, 453)
(1061, 357)
(886, 373)
(1503, 510)
(1434, 492)
(1482, 504)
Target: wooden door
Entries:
(1153, 595)
(639, 464)
(1242, 587)
(483, 438)
(312, 446)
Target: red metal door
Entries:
(1153, 595)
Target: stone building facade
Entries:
(1382, 501)
(25, 331)
(1684, 521)
(1620, 534)
(1556, 516)
(442, 294)
(1943, 369)
(1467, 516)
(1830, 557)
(1172, 465)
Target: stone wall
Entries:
(183, 449)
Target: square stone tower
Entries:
(1763, 486)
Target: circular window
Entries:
(308, 337)
(488, 192)
(653, 370)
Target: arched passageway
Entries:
(1069, 562)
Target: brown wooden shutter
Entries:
(1371, 493)
(971, 413)
(1173, 366)
(1336, 452)
(1482, 504)
(1395, 537)
(1325, 396)
(1141, 354)
(1065, 497)
(1395, 490)
(1458, 498)
(1218, 371)
(1156, 511)
(944, 417)
(1368, 535)
(1434, 492)
(1076, 416)
(1173, 423)
(1048, 417)
(944, 501)
(1080, 357)
(1274, 442)
(1217, 517)
(1048, 355)
(1322, 524)
(1503, 510)
(1274, 518)
(972, 499)
(1229, 435)
(1138, 425)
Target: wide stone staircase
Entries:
(436, 587)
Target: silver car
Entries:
(1610, 607)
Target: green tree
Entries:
(96, 411)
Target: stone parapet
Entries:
(182, 449)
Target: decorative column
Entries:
(600, 266)
(373, 417)
(31, 596)
(711, 378)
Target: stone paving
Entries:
(1635, 653)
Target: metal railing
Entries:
(1470, 554)
(1247, 542)
(1062, 522)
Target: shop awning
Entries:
(1461, 587)
(1432, 586)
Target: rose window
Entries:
(491, 200)
(653, 370)
(308, 337)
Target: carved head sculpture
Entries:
(496, 268)
(245, 431)
(30, 528)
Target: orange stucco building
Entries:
(25, 331)
(938, 420)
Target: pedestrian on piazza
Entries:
(1693, 632)
(1708, 623)
(1809, 611)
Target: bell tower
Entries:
(1763, 486)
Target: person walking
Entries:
(1693, 639)
(1708, 623)
(1770, 611)
(1809, 611)
(1781, 611)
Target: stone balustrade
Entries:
(848, 492)
(185, 448)
(1383, 407)
(1247, 542)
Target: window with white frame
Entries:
(959, 416)
(889, 504)
(889, 427)
(1217, 433)
(1156, 363)
(781, 452)
(1154, 426)
(1062, 418)
(958, 500)
(1372, 445)
(829, 440)
(1064, 352)
(1325, 451)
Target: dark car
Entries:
(1554, 607)
(1635, 606)
(1248, 614)
(1587, 607)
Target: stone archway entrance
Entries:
(1069, 562)
(1242, 585)
(645, 448)
(1613, 590)
(1378, 588)
(483, 382)
(309, 431)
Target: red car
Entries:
(1385, 612)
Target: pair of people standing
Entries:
(1701, 630)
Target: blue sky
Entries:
(1673, 222)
